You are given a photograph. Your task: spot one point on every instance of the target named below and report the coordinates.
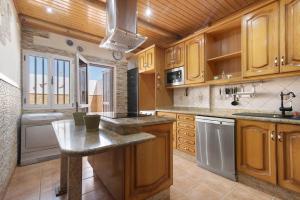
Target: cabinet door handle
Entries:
(282, 61)
(276, 62)
(273, 135)
(280, 137)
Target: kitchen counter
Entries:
(224, 113)
(125, 126)
(138, 148)
(75, 140)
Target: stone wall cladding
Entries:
(120, 67)
(10, 112)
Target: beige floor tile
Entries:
(87, 173)
(246, 193)
(202, 192)
(38, 182)
(177, 194)
(90, 184)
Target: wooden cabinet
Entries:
(138, 171)
(256, 154)
(146, 60)
(150, 164)
(194, 60)
(173, 116)
(174, 56)
(186, 131)
(260, 46)
(288, 152)
(169, 58)
(152, 92)
(290, 35)
(141, 62)
(150, 59)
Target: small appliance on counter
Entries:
(215, 144)
(175, 76)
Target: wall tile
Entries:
(267, 96)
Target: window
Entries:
(95, 87)
(46, 81)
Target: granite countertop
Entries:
(224, 113)
(137, 121)
(74, 140)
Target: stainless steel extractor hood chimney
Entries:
(121, 30)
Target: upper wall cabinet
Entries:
(146, 60)
(290, 35)
(194, 60)
(174, 56)
(260, 46)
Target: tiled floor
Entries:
(37, 182)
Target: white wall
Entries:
(57, 41)
(10, 49)
(267, 96)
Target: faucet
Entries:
(282, 108)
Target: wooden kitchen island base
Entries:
(138, 171)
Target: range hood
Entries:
(121, 30)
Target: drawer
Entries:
(188, 118)
(186, 148)
(186, 140)
(185, 132)
(166, 114)
(186, 125)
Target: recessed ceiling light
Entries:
(148, 12)
(49, 10)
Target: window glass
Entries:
(61, 82)
(38, 80)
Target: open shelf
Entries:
(225, 57)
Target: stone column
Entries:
(75, 178)
(62, 188)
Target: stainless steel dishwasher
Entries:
(215, 145)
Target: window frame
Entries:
(25, 76)
(100, 64)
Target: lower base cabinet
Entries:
(256, 154)
(288, 155)
(269, 152)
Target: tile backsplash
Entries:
(267, 96)
(196, 97)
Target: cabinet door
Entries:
(260, 46)
(150, 59)
(194, 68)
(288, 147)
(256, 144)
(290, 35)
(173, 116)
(169, 58)
(150, 164)
(179, 55)
(141, 62)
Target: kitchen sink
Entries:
(268, 115)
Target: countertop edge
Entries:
(229, 115)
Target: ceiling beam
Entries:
(163, 32)
(44, 25)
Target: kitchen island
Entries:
(131, 156)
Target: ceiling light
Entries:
(148, 12)
(49, 10)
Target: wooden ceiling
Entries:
(170, 19)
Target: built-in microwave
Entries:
(175, 76)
